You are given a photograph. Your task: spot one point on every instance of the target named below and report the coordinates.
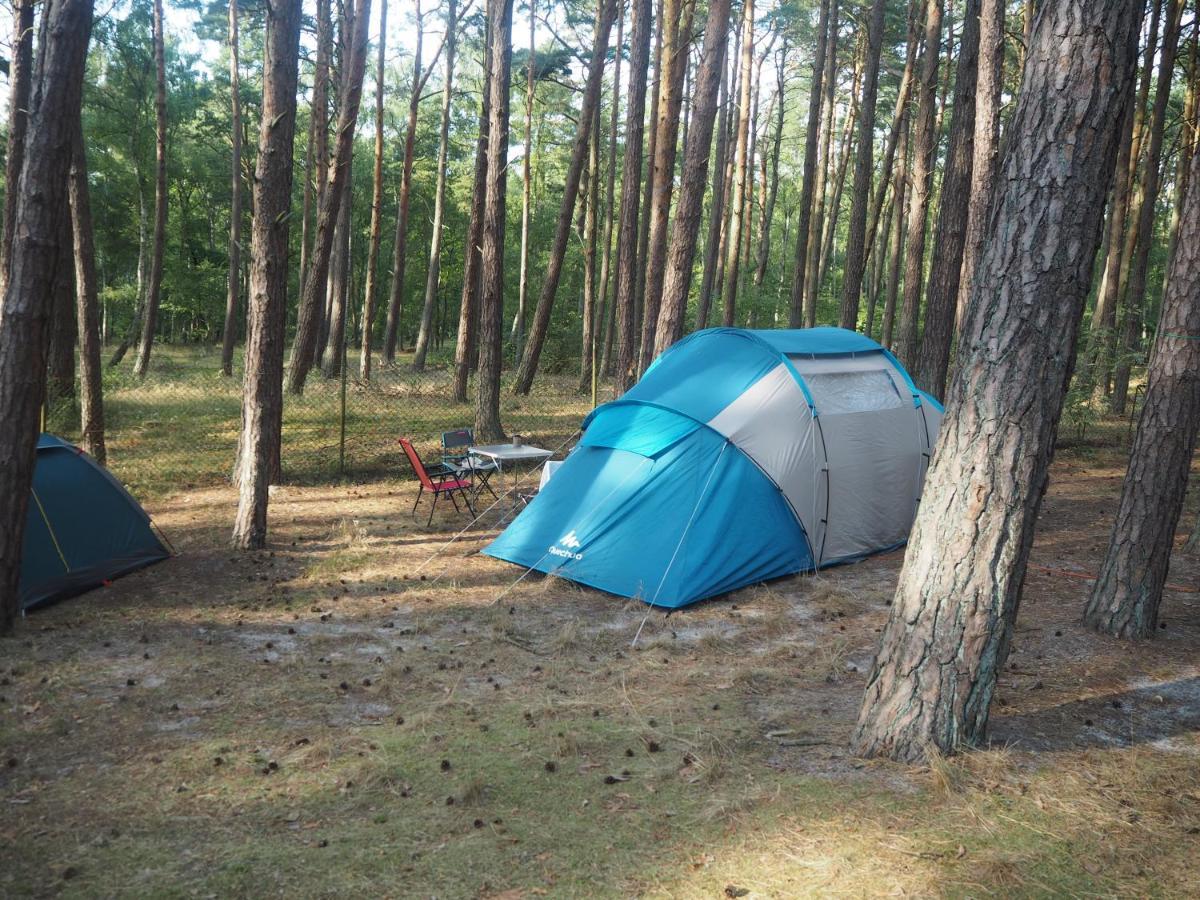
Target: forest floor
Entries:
(329, 718)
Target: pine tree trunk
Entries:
(716, 218)
(986, 145)
(39, 204)
(91, 376)
(465, 350)
(154, 289)
(733, 246)
(562, 232)
(590, 243)
(1126, 596)
(334, 353)
(371, 289)
(433, 273)
(924, 140)
(266, 321)
(20, 80)
(676, 28)
(606, 315)
(812, 133)
(949, 243)
(856, 240)
(395, 311)
(771, 175)
(838, 183)
(896, 243)
(518, 327)
(234, 279)
(816, 227)
(1135, 299)
(317, 174)
(1189, 142)
(643, 241)
(631, 176)
(354, 67)
(60, 361)
(491, 289)
(955, 607)
(682, 250)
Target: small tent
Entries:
(740, 456)
(82, 528)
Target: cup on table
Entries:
(516, 440)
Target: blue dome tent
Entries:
(740, 456)
(82, 528)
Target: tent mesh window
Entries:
(851, 392)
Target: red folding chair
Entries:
(441, 480)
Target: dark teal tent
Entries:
(82, 529)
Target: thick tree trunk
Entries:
(924, 141)
(952, 619)
(733, 244)
(804, 213)
(39, 204)
(60, 360)
(643, 241)
(391, 334)
(20, 79)
(682, 250)
(1189, 142)
(986, 145)
(350, 95)
(91, 376)
(266, 321)
(896, 242)
(676, 29)
(1128, 589)
(856, 240)
(949, 243)
(631, 176)
(562, 232)
(371, 288)
(813, 252)
(518, 326)
(433, 273)
(491, 262)
(333, 356)
(154, 289)
(234, 279)
(1135, 299)
(465, 349)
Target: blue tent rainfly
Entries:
(740, 456)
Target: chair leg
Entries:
(429, 521)
(454, 501)
(420, 491)
(467, 499)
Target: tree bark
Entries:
(433, 273)
(838, 183)
(813, 251)
(676, 29)
(733, 245)
(64, 335)
(1135, 299)
(468, 310)
(491, 290)
(518, 329)
(955, 607)
(631, 176)
(562, 232)
(643, 240)
(1189, 141)
(400, 248)
(262, 400)
(333, 356)
(318, 174)
(896, 243)
(804, 213)
(716, 217)
(350, 95)
(682, 250)
(39, 204)
(1128, 590)
(606, 316)
(856, 239)
(986, 145)
(20, 81)
(771, 175)
(234, 279)
(371, 288)
(924, 140)
(590, 228)
(949, 244)
(154, 289)
(91, 376)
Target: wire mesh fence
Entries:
(177, 428)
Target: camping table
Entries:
(510, 453)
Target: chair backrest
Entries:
(414, 460)
(453, 440)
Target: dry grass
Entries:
(373, 728)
